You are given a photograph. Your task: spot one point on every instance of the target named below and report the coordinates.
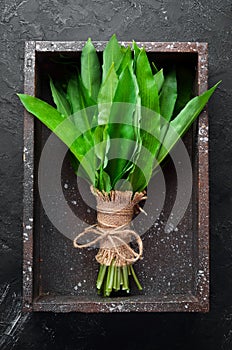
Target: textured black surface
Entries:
(143, 20)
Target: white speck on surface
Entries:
(65, 186)
(75, 287)
(205, 139)
(29, 268)
(31, 219)
(74, 202)
(88, 210)
(28, 227)
(79, 284)
(114, 307)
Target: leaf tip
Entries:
(218, 83)
(213, 88)
(113, 39)
(20, 96)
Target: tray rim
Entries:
(198, 303)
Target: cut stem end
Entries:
(115, 278)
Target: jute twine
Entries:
(112, 231)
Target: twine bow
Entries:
(118, 245)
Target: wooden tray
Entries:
(175, 268)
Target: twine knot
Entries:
(113, 232)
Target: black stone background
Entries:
(144, 20)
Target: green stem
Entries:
(135, 278)
(121, 276)
(115, 278)
(107, 292)
(104, 284)
(125, 278)
(118, 277)
(101, 275)
(111, 278)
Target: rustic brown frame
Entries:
(196, 303)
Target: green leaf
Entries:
(90, 69)
(149, 99)
(104, 182)
(184, 120)
(123, 185)
(125, 92)
(101, 145)
(159, 79)
(168, 95)
(150, 123)
(124, 105)
(87, 99)
(112, 54)
(61, 126)
(49, 116)
(126, 61)
(105, 99)
(137, 123)
(60, 100)
(146, 82)
(73, 94)
(168, 98)
(141, 173)
(137, 132)
(83, 115)
(136, 50)
(80, 100)
(106, 95)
